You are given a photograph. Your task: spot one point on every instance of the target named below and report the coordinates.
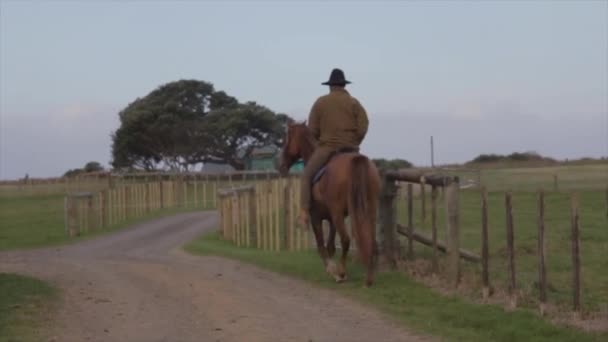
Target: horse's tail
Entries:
(362, 207)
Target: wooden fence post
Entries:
(253, 224)
(91, 221)
(222, 214)
(387, 237)
(103, 208)
(214, 190)
(196, 190)
(161, 193)
(269, 205)
(277, 213)
(287, 214)
(410, 221)
(423, 200)
(576, 257)
(258, 215)
(148, 197)
(265, 233)
(248, 218)
(485, 250)
(434, 195)
(128, 201)
(453, 236)
(511, 252)
(111, 196)
(542, 271)
(236, 217)
(73, 214)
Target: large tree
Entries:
(185, 123)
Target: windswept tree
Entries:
(392, 164)
(185, 123)
(91, 166)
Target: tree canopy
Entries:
(513, 157)
(187, 122)
(392, 164)
(91, 166)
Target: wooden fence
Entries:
(387, 236)
(95, 182)
(259, 210)
(452, 248)
(263, 215)
(88, 211)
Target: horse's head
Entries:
(295, 136)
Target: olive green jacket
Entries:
(338, 120)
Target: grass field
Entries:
(31, 221)
(38, 221)
(569, 177)
(23, 303)
(594, 242)
(421, 308)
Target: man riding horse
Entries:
(347, 186)
(338, 122)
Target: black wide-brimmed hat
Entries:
(336, 78)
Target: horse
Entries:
(349, 187)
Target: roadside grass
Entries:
(23, 303)
(419, 307)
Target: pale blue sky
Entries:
(482, 77)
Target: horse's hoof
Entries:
(340, 278)
(331, 268)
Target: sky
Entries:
(480, 77)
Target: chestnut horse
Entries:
(349, 188)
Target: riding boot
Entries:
(304, 219)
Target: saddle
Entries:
(321, 171)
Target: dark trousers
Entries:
(316, 161)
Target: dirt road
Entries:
(137, 285)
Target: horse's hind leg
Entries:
(331, 240)
(338, 222)
(369, 254)
(317, 228)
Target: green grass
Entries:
(569, 177)
(38, 221)
(419, 307)
(23, 302)
(594, 242)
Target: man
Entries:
(338, 121)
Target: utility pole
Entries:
(432, 153)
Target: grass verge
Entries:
(419, 307)
(23, 302)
